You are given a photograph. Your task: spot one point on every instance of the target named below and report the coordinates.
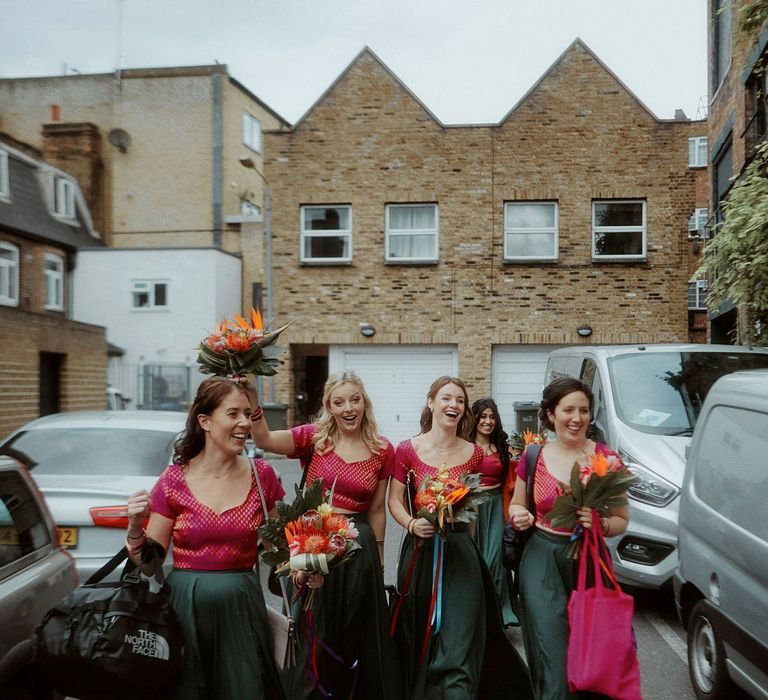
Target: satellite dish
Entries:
(119, 138)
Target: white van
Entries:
(647, 400)
(721, 584)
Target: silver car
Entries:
(35, 573)
(87, 464)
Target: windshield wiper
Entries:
(684, 431)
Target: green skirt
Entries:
(355, 656)
(470, 657)
(547, 577)
(488, 531)
(227, 638)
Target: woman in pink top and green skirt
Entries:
(355, 656)
(207, 504)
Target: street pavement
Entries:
(660, 638)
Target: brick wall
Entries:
(578, 135)
(23, 336)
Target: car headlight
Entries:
(648, 487)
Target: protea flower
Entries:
(312, 520)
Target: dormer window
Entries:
(64, 197)
(5, 183)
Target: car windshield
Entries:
(107, 451)
(662, 392)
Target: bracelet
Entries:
(604, 526)
(134, 549)
(142, 536)
(379, 541)
(257, 415)
(410, 523)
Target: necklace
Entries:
(443, 451)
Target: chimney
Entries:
(76, 149)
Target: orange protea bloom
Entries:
(600, 464)
(422, 498)
(335, 522)
(237, 342)
(457, 494)
(315, 544)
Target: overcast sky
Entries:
(469, 61)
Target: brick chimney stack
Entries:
(76, 148)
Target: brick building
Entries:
(159, 154)
(738, 120)
(48, 361)
(406, 248)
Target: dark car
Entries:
(35, 572)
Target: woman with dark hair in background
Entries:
(208, 503)
(488, 433)
(343, 447)
(470, 656)
(547, 574)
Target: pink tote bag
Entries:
(602, 654)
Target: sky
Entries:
(468, 61)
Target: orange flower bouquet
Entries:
(599, 485)
(444, 500)
(238, 347)
(309, 536)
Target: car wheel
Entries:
(706, 658)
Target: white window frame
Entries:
(5, 181)
(9, 276)
(512, 230)
(328, 233)
(54, 282)
(64, 197)
(699, 288)
(642, 229)
(697, 151)
(697, 224)
(251, 132)
(389, 234)
(148, 287)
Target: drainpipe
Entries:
(217, 176)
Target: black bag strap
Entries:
(305, 468)
(531, 458)
(152, 551)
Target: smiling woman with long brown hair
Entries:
(467, 655)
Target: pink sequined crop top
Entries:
(407, 460)
(490, 470)
(546, 488)
(204, 540)
(355, 481)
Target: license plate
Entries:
(67, 536)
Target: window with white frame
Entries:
(5, 183)
(251, 132)
(697, 224)
(530, 230)
(326, 234)
(618, 230)
(54, 281)
(64, 197)
(697, 152)
(9, 274)
(149, 294)
(411, 233)
(697, 295)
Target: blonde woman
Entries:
(356, 657)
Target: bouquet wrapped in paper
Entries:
(309, 536)
(600, 485)
(238, 348)
(444, 500)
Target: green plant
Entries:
(736, 259)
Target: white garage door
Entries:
(397, 379)
(518, 375)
